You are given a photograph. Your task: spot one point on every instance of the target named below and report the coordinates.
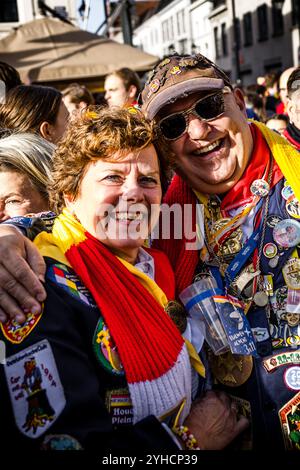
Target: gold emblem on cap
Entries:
(230, 369)
(164, 62)
(187, 62)
(175, 70)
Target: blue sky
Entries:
(96, 16)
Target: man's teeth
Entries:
(128, 216)
(208, 148)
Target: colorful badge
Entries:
(60, 442)
(279, 360)
(164, 62)
(260, 188)
(289, 416)
(106, 350)
(293, 208)
(272, 220)
(16, 332)
(119, 405)
(291, 273)
(287, 233)
(270, 250)
(187, 62)
(153, 87)
(35, 389)
(292, 378)
(287, 192)
(65, 278)
(175, 70)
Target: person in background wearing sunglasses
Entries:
(247, 179)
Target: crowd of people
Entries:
(111, 333)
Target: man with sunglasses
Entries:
(238, 171)
(235, 170)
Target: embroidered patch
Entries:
(65, 277)
(60, 442)
(289, 416)
(278, 360)
(16, 332)
(35, 388)
(106, 350)
(119, 405)
(292, 378)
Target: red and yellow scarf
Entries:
(151, 349)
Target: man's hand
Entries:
(22, 269)
(214, 421)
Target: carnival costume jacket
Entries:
(262, 214)
(65, 384)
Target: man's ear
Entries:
(240, 101)
(132, 90)
(290, 108)
(46, 131)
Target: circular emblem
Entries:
(230, 369)
(287, 233)
(106, 350)
(292, 378)
(287, 192)
(154, 85)
(175, 70)
(270, 250)
(293, 208)
(260, 188)
(272, 220)
(260, 298)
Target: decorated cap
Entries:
(177, 76)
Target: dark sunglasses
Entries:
(210, 107)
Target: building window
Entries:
(247, 26)
(171, 28)
(295, 12)
(217, 42)
(218, 3)
(262, 20)
(9, 11)
(165, 30)
(278, 24)
(224, 39)
(180, 22)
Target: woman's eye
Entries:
(113, 178)
(148, 180)
(13, 201)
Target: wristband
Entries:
(187, 437)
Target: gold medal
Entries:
(232, 244)
(177, 314)
(231, 369)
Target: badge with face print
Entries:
(291, 273)
(287, 233)
(293, 208)
(260, 188)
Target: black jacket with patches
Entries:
(69, 325)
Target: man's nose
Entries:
(197, 128)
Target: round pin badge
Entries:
(287, 192)
(287, 233)
(292, 378)
(293, 208)
(260, 188)
(272, 220)
(270, 250)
